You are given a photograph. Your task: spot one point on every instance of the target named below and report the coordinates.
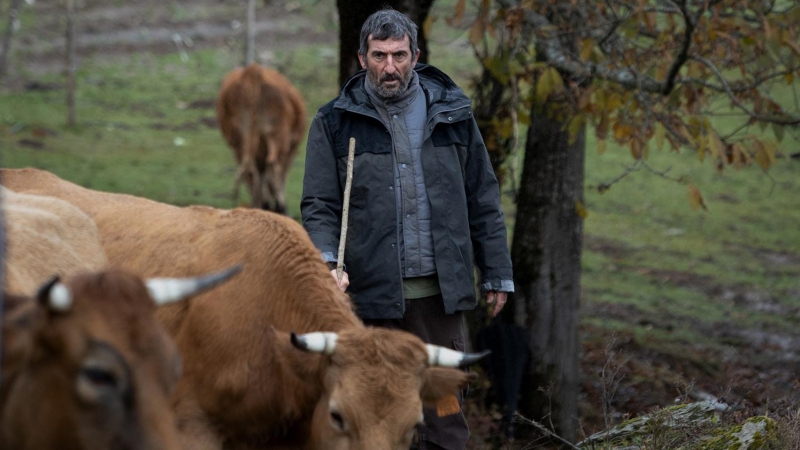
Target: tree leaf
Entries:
(601, 130)
(581, 209)
(738, 155)
(778, 130)
(702, 144)
(660, 133)
(476, 33)
(558, 82)
(587, 46)
(762, 155)
(544, 86)
(622, 131)
(458, 14)
(428, 24)
(575, 126)
(715, 145)
(636, 150)
(695, 198)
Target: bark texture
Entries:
(546, 253)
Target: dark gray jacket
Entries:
(466, 219)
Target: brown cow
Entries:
(85, 363)
(263, 119)
(244, 383)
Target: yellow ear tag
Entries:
(447, 406)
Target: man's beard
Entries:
(387, 92)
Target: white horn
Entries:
(444, 357)
(169, 290)
(60, 298)
(316, 342)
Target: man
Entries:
(424, 201)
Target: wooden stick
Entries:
(345, 209)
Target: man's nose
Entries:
(390, 67)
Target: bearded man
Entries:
(424, 203)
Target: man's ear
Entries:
(440, 382)
(416, 58)
(363, 60)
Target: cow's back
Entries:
(46, 236)
(224, 334)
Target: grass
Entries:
(144, 129)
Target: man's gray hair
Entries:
(388, 24)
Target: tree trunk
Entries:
(70, 40)
(13, 13)
(250, 31)
(353, 13)
(546, 253)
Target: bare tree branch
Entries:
(683, 53)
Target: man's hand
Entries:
(492, 297)
(345, 280)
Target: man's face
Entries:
(389, 64)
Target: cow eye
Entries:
(337, 421)
(100, 377)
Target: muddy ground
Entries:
(757, 371)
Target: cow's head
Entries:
(375, 385)
(88, 367)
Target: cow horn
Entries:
(444, 357)
(316, 342)
(54, 295)
(169, 290)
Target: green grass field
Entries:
(665, 276)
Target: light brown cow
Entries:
(46, 236)
(263, 119)
(85, 363)
(244, 383)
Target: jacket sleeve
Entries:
(486, 219)
(321, 203)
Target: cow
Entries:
(263, 119)
(46, 236)
(246, 381)
(85, 363)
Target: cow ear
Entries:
(302, 363)
(440, 382)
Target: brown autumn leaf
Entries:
(601, 146)
(622, 131)
(762, 155)
(458, 14)
(660, 135)
(476, 32)
(428, 24)
(715, 145)
(695, 198)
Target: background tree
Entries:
(717, 77)
(70, 62)
(13, 14)
(250, 33)
(353, 13)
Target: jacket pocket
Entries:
(445, 135)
